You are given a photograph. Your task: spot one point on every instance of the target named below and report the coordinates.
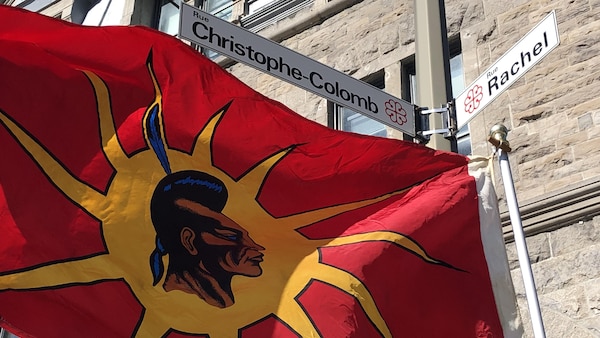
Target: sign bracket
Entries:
(448, 119)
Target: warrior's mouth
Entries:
(257, 258)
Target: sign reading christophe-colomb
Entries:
(272, 58)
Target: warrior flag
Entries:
(146, 192)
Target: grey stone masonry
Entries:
(566, 269)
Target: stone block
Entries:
(567, 270)
(539, 167)
(586, 149)
(592, 294)
(471, 67)
(515, 14)
(558, 325)
(593, 172)
(473, 14)
(571, 140)
(585, 121)
(555, 184)
(556, 126)
(523, 142)
(455, 16)
(481, 32)
(570, 302)
(407, 29)
(573, 9)
(567, 126)
(557, 72)
(520, 118)
(574, 237)
(584, 43)
(573, 170)
(530, 191)
(498, 112)
(388, 38)
(549, 93)
(584, 107)
(531, 150)
(596, 116)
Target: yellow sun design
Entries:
(291, 261)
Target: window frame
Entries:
(270, 13)
(35, 5)
(335, 112)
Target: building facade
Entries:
(552, 112)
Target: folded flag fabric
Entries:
(146, 192)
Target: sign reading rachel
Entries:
(532, 48)
(267, 56)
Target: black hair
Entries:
(168, 219)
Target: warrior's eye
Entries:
(227, 234)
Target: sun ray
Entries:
(256, 175)
(153, 123)
(390, 237)
(293, 314)
(85, 270)
(110, 142)
(355, 288)
(309, 217)
(152, 325)
(77, 191)
(201, 151)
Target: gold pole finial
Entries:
(497, 137)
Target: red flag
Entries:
(146, 192)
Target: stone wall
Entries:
(566, 269)
(553, 114)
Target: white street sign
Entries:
(267, 56)
(532, 48)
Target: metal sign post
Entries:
(272, 58)
(432, 67)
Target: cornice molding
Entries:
(555, 210)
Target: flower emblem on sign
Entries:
(473, 99)
(396, 112)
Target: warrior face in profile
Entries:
(206, 248)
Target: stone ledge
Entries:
(555, 210)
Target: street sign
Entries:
(532, 48)
(272, 58)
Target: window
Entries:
(219, 8)
(222, 9)
(168, 17)
(342, 118)
(6, 334)
(254, 15)
(255, 5)
(259, 14)
(457, 79)
(33, 5)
